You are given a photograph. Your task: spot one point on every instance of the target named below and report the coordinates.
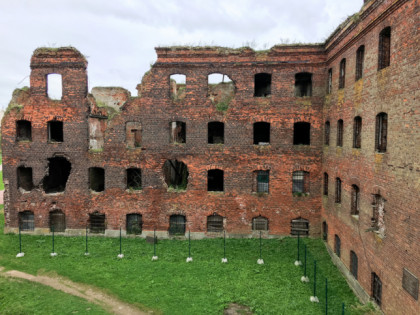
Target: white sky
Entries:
(118, 37)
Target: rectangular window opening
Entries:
(97, 179)
(55, 131)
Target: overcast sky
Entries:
(118, 37)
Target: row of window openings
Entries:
(216, 132)
(378, 203)
(384, 58)
(134, 223)
(381, 128)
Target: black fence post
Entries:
(326, 296)
(52, 228)
(86, 251)
(20, 241)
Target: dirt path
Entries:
(91, 294)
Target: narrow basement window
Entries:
(260, 224)
(353, 264)
(134, 179)
(96, 179)
(302, 133)
(381, 129)
(337, 190)
(360, 56)
(55, 131)
(340, 133)
(355, 200)
(54, 86)
(325, 231)
(261, 181)
(175, 174)
(384, 51)
(337, 245)
(177, 84)
(262, 133)
(303, 84)
(97, 223)
(26, 220)
(357, 132)
(178, 132)
(214, 223)
(215, 180)
(177, 224)
(24, 178)
(216, 132)
(262, 84)
(134, 223)
(376, 289)
(59, 169)
(23, 130)
(300, 227)
(57, 220)
(325, 184)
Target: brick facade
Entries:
(113, 131)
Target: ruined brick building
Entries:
(316, 139)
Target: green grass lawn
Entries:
(170, 285)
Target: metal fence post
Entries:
(20, 241)
(86, 251)
(52, 228)
(154, 242)
(305, 263)
(314, 277)
(120, 242)
(326, 296)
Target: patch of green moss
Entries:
(223, 105)
(111, 111)
(13, 106)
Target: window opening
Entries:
(221, 88)
(96, 179)
(378, 217)
(262, 84)
(216, 132)
(381, 132)
(301, 133)
(55, 131)
(23, 130)
(262, 133)
(340, 133)
(175, 174)
(58, 221)
(178, 132)
(355, 200)
(260, 224)
(97, 222)
(261, 180)
(342, 77)
(299, 226)
(325, 231)
(133, 134)
(325, 184)
(177, 225)
(303, 84)
(59, 169)
(134, 223)
(134, 178)
(360, 56)
(214, 223)
(384, 53)
(329, 83)
(215, 180)
(97, 127)
(178, 85)
(26, 220)
(353, 264)
(24, 178)
(300, 182)
(327, 133)
(357, 132)
(376, 288)
(337, 245)
(338, 190)
(54, 86)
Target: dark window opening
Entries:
(260, 224)
(54, 86)
(384, 53)
(97, 222)
(355, 200)
(261, 133)
(178, 132)
(55, 131)
(303, 84)
(23, 130)
(325, 184)
(134, 223)
(338, 190)
(300, 227)
(353, 264)
(177, 225)
(262, 84)
(177, 83)
(325, 231)
(342, 77)
(329, 83)
(357, 132)
(360, 56)
(134, 178)
(327, 133)
(214, 223)
(57, 221)
(381, 132)
(216, 132)
(58, 173)
(300, 182)
(26, 221)
(96, 179)
(261, 181)
(24, 178)
(376, 289)
(215, 180)
(337, 245)
(176, 174)
(302, 133)
(340, 133)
